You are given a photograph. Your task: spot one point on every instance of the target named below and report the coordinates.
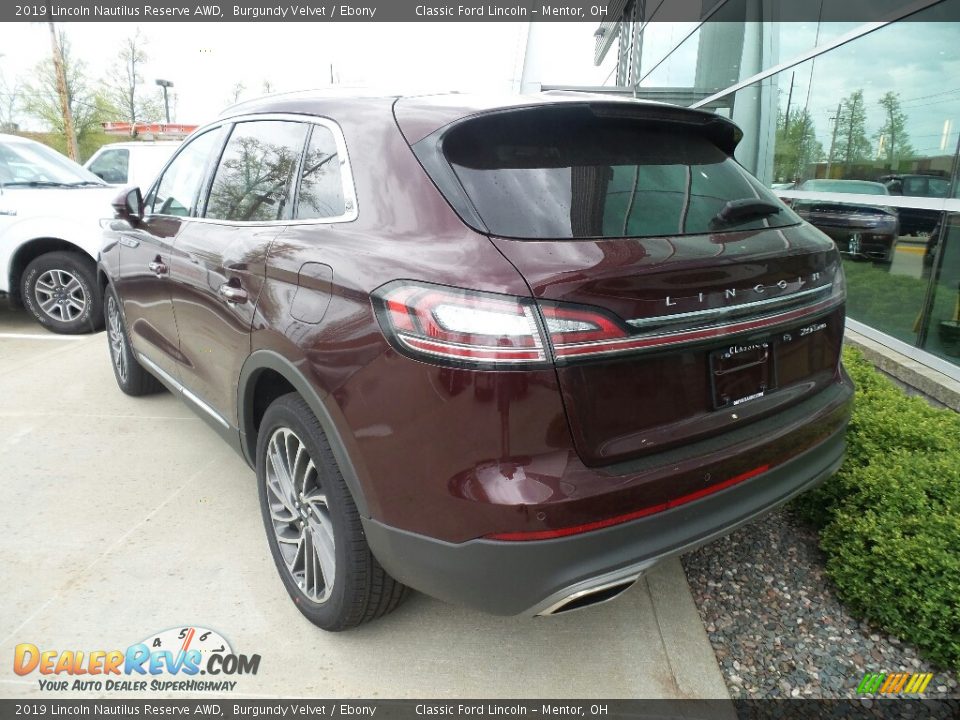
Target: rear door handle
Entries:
(158, 268)
(233, 294)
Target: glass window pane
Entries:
(177, 191)
(321, 185)
(566, 173)
(253, 179)
(943, 329)
(111, 166)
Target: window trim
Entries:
(351, 209)
(195, 202)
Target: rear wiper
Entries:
(739, 210)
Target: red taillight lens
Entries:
(460, 326)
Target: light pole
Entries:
(166, 102)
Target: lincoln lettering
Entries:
(759, 289)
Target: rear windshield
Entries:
(561, 174)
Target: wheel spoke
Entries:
(49, 305)
(324, 546)
(299, 514)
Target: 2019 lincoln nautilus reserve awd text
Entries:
(506, 353)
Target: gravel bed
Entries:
(777, 626)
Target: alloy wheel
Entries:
(60, 295)
(117, 338)
(300, 515)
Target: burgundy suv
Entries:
(509, 353)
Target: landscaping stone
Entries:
(777, 627)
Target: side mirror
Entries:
(129, 206)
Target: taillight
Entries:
(479, 329)
(460, 326)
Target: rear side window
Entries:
(112, 165)
(562, 174)
(179, 188)
(253, 181)
(321, 184)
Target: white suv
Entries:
(50, 235)
(131, 163)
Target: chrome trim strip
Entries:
(206, 408)
(658, 341)
(164, 375)
(722, 312)
(346, 174)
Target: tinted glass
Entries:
(321, 186)
(557, 174)
(253, 179)
(178, 189)
(112, 165)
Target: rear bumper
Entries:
(512, 578)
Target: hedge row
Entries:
(889, 520)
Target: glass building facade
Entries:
(855, 124)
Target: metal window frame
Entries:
(351, 211)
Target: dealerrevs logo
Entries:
(169, 661)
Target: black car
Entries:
(860, 231)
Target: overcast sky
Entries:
(206, 60)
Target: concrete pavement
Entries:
(123, 517)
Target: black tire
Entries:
(129, 373)
(362, 590)
(63, 316)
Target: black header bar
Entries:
(597, 11)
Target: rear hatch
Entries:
(681, 297)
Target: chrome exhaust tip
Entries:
(590, 597)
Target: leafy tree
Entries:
(796, 146)
(40, 98)
(894, 143)
(851, 144)
(124, 84)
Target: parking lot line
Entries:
(34, 336)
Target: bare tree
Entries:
(237, 91)
(9, 96)
(124, 84)
(63, 92)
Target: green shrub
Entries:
(890, 517)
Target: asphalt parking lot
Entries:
(123, 517)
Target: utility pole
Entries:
(61, 74)
(786, 115)
(166, 101)
(833, 140)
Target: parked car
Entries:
(860, 231)
(50, 233)
(131, 163)
(915, 221)
(509, 354)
